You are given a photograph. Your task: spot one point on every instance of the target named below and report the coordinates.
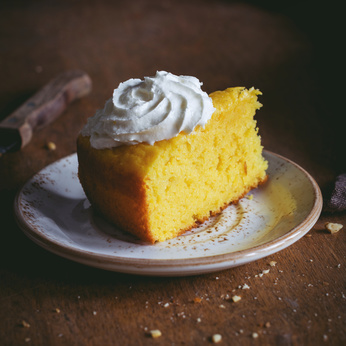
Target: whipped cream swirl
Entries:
(150, 110)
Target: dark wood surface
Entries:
(289, 56)
(45, 105)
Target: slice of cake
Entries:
(157, 178)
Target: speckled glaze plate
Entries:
(54, 212)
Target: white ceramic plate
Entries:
(54, 212)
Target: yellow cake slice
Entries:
(157, 192)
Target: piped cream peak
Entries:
(150, 110)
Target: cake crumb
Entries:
(267, 324)
(254, 335)
(266, 271)
(25, 324)
(155, 333)
(57, 310)
(245, 287)
(197, 300)
(333, 227)
(272, 263)
(236, 298)
(216, 338)
(51, 146)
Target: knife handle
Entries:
(47, 104)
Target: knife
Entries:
(41, 109)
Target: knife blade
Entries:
(42, 108)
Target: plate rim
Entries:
(124, 264)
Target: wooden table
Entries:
(48, 300)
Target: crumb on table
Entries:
(216, 338)
(272, 263)
(333, 227)
(236, 298)
(155, 333)
(25, 324)
(51, 146)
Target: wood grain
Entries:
(301, 301)
(47, 104)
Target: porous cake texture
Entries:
(157, 192)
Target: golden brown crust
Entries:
(120, 198)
